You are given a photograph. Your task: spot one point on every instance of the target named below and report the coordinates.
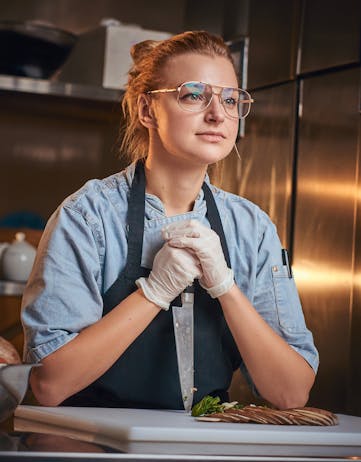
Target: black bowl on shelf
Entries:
(29, 49)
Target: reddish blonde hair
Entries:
(149, 59)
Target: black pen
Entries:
(286, 262)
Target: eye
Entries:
(193, 93)
(192, 97)
(230, 97)
(231, 102)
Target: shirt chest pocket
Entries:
(289, 310)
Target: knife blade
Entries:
(183, 323)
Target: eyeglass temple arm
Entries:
(164, 90)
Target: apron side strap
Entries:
(135, 221)
(113, 294)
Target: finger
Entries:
(177, 225)
(184, 226)
(172, 230)
(167, 235)
(189, 265)
(192, 229)
(186, 242)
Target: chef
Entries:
(116, 255)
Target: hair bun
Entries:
(142, 49)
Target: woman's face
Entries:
(199, 138)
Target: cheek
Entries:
(170, 117)
(182, 126)
(233, 129)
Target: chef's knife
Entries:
(183, 330)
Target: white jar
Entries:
(17, 259)
(3, 246)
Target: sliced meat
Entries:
(265, 415)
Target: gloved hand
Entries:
(217, 278)
(173, 270)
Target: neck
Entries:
(176, 184)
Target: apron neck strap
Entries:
(215, 220)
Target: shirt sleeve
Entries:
(276, 297)
(62, 295)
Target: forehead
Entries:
(215, 70)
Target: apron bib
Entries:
(146, 375)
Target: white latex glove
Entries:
(173, 270)
(217, 278)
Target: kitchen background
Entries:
(300, 153)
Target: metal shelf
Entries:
(54, 88)
(12, 288)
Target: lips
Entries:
(210, 136)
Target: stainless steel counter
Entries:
(34, 447)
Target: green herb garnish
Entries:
(210, 405)
(207, 405)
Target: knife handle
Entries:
(189, 289)
(187, 296)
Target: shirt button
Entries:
(275, 269)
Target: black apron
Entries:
(146, 375)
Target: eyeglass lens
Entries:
(196, 96)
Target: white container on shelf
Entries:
(101, 56)
(17, 259)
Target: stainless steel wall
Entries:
(325, 227)
(50, 146)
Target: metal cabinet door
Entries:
(273, 41)
(330, 34)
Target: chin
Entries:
(211, 156)
(204, 155)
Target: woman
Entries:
(116, 254)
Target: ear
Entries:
(145, 112)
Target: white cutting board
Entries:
(154, 431)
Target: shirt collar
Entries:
(154, 201)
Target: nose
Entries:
(215, 111)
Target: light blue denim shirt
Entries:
(84, 249)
